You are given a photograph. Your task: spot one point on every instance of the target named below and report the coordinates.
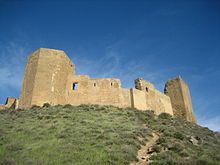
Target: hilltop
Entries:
(93, 134)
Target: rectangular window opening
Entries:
(75, 86)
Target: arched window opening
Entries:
(94, 84)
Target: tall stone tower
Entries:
(179, 94)
(45, 78)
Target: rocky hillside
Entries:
(98, 135)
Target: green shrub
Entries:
(160, 128)
(68, 106)
(165, 116)
(46, 105)
(169, 132)
(8, 161)
(94, 134)
(156, 148)
(176, 147)
(184, 154)
(35, 107)
(161, 140)
(178, 135)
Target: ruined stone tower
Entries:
(179, 94)
(45, 78)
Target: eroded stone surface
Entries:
(179, 93)
(11, 103)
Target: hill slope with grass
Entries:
(99, 135)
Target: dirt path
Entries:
(145, 152)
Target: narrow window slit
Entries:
(146, 89)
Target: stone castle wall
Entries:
(179, 94)
(154, 99)
(50, 78)
(29, 80)
(95, 91)
(45, 78)
(11, 102)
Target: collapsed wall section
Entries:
(154, 99)
(2, 106)
(11, 103)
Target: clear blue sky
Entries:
(126, 39)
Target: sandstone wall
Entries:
(29, 78)
(2, 107)
(50, 78)
(138, 99)
(187, 102)
(179, 94)
(11, 103)
(95, 91)
(143, 85)
(45, 78)
(162, 103)
(125, 98)
(108, 91)
(154, 99)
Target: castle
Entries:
(50, 78)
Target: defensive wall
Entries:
(178, 91)
(11, 102)
(50, 78)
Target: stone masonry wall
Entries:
(29, 78)
(50, 78)
(154, 99)
(53, 69)
(2, 106)
(106, 91)
(11, 103)
(45, 78)
(179, 94)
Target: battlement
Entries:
(50, 78)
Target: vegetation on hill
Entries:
(99, 135)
